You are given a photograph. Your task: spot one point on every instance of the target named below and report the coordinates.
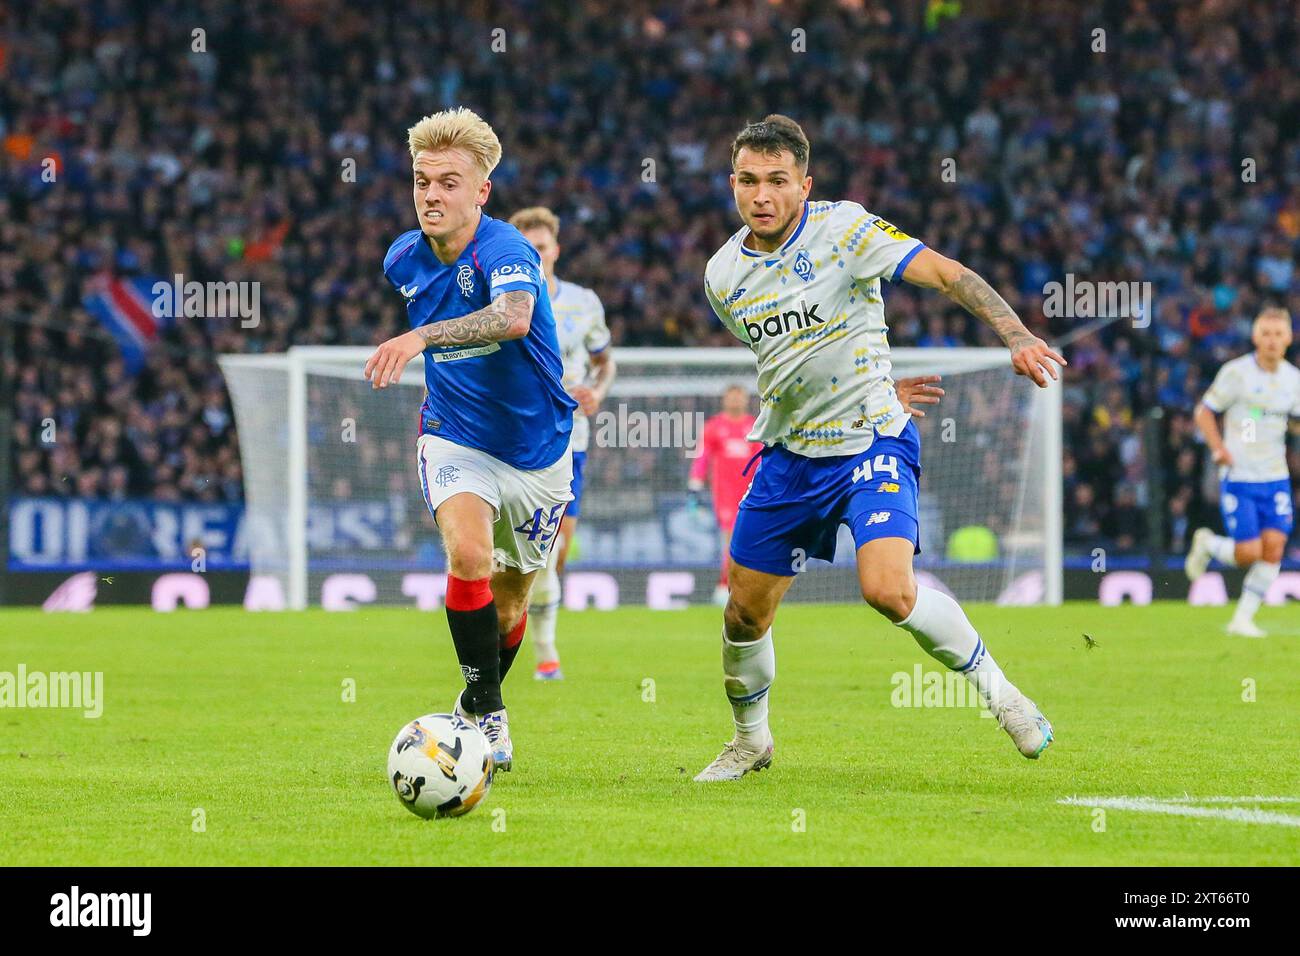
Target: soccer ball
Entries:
(440, 766)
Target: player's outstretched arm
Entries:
(1030, 355)
(508, 316)
(916, 391)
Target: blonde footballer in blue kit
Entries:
(589, 371)
(800, 285)
(1257, 394)
(496, 424)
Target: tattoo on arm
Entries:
(979, 299)
(500, 319)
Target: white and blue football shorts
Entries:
(527, 506)
(1249, 507)
(795, 504)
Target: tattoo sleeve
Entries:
(979, 299)
(505, 317)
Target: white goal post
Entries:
(334, 515)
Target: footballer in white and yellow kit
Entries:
(1256, 394)
(589, 371)
(800, 284)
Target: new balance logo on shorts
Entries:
(878, 517)
(779, 323)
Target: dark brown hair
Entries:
(773, 135)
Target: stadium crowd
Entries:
(265, 141)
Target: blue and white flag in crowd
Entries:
(131, 311)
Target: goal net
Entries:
(334, 514)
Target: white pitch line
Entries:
(1180, 807)
(1186, 799)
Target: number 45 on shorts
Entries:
(543, 524)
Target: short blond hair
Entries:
(457, 129)
(536, 217)
(1273, 312)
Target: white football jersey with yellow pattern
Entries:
(1255, 405)
(813, 315)
(581, 330)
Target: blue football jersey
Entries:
(504, 398)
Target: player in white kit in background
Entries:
(1256, 394)
(800, 284)
(589, 371)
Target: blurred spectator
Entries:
(277, 155)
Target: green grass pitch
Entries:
(242, 716)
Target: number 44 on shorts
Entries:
(884, 465)
(543, 524)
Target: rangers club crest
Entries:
(465, 279)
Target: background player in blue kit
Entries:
(493, 453)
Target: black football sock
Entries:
(510, 644)
(472, 617)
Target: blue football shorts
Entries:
(579, 462)
(1249, 507)
(796, 504)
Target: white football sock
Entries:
(1223, 550)
(749, 669)
(543, 608)
(541, 624)
(941, 627)
(1258, 580)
